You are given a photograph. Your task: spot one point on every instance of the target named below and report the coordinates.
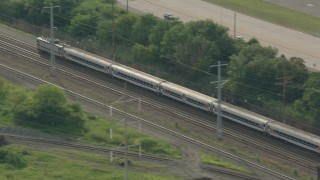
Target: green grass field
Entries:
(273, 13)
(29, 163)
(216, 161)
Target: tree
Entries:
(213, 33)
(142, 28)
(253, 66)
(83, 25)
(49, 107)
(124, 27)
(175, 35)
(310, 102)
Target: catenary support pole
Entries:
(53, 68)
(126, 151)
(219, 124)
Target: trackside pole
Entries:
(318, 168)
(53, 68)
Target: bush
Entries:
(12, 158)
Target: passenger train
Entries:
(165, 88)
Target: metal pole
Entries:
(234, 23)
(139, 104)
(126, 151)
(52, 69)
(127, 6)
(219, 124)
(139, 150)
(139, 124)
(318, 170)
(113, 29)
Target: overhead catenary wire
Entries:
(191, 67)
(270, 92)
(262, 90)
(89, 26)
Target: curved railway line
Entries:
(131, 117)
(116, 151)
(32, 55)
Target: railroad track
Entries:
(200, 122)
(83, 147)
(177, 112)
(230, 173)
(22, 44)
(78, 146)
(131, 117)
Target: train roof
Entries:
(57, 42)
(243, 112)
(88, 56)
(189, 92)
(294, 131)
(135, 72)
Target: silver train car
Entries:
(87, 59)
(136, 77)
(244, 117)
(184, 95)
(187, 96)
(294, 136)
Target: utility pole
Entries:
(125, 150)
(285, 79)
(219, 121)
(53, 69)
(113, 31)
(318, 170)
(234, 24)
(127, 6)
(126, 146)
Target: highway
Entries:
(289, 42)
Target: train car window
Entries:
(300, 141)
(134, 79)
(195, 102)
(240, 119)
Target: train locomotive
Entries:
(168, 89)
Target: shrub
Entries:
(12, 158)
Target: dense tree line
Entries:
(182, 52)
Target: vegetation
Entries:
(67, 164)
(274, 13)
(216, 161)
(182, 52)
(12, 159)
(47, 109)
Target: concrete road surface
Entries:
(289, 42)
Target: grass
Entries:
(285, 168)
(99, 130)
(96, 128)
(98, 133)
(273, 13)
(4, 25)
(216, 161)
(65, 164)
